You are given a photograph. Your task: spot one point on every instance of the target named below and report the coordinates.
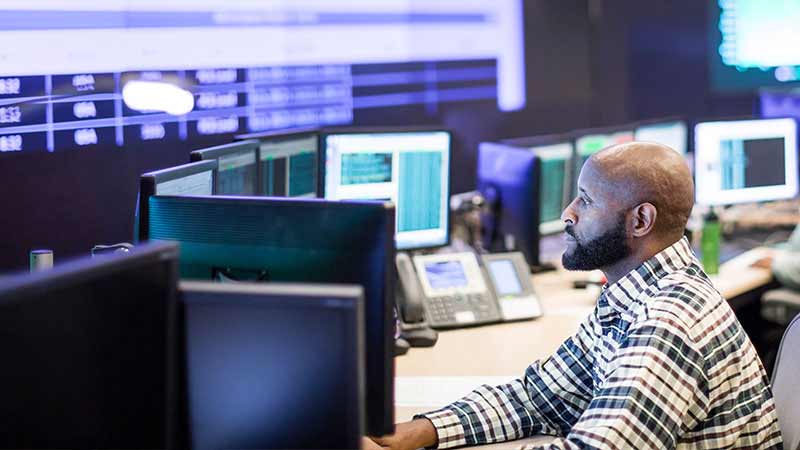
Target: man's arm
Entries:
(418, 433)
(656, 389)
(548, 400)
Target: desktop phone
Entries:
(511, 281)
(454, 291)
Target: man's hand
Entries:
(763, 263)
(412, 435)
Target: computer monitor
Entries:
(590, 141)
(740, 161)
(195, 178)
(288, 162)
(272, 366)
(237, 169)
(555, 153)
(410, 167)
(779, 103)
(508, 179)
(296, 240)
(673, 133)
(85, 349)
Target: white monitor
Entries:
(745, 161)
(409, 168)
(673, 134)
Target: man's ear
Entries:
(643, 219)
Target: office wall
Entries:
(589, 63)
(666, 50)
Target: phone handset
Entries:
(411, 308)
(410, 298)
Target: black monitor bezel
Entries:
(387, 422)
(150, 180)
(328, 131)
(85, 270)
(287, 135)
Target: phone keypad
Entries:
(461, 309)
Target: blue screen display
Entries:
(445, 274)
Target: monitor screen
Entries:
(445, 274)
(505, 277)
(745, 161)
(201, 183)
(508, 178)
(288, 164)
(673, 134)
(753, 44)
(779, 103)
(237, 169)
(296, 240)
(317, 63)
(236, 174)
(195, 178)
(85, 347)
(412, 169)
(273, 365)
(555, 184)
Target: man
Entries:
(661, 362)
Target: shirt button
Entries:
(610, 335)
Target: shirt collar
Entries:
(622, 295)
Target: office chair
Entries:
(784, 388)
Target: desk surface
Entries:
(504, 351)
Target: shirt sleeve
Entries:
(655, 390)
(549, 399)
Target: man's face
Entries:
(596, 231)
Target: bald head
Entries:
(639, 172)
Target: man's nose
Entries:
(568, 216)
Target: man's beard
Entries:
(602, 251)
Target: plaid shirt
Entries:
(661, 362)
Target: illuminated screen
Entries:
(195, 184)
(409, 168)
(505, 277)
(236, 174)
(555, 187)
(289, 167)
(745, 161)
(754, 43)
(242, 66)
(445, 274)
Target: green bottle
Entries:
(709, 244)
